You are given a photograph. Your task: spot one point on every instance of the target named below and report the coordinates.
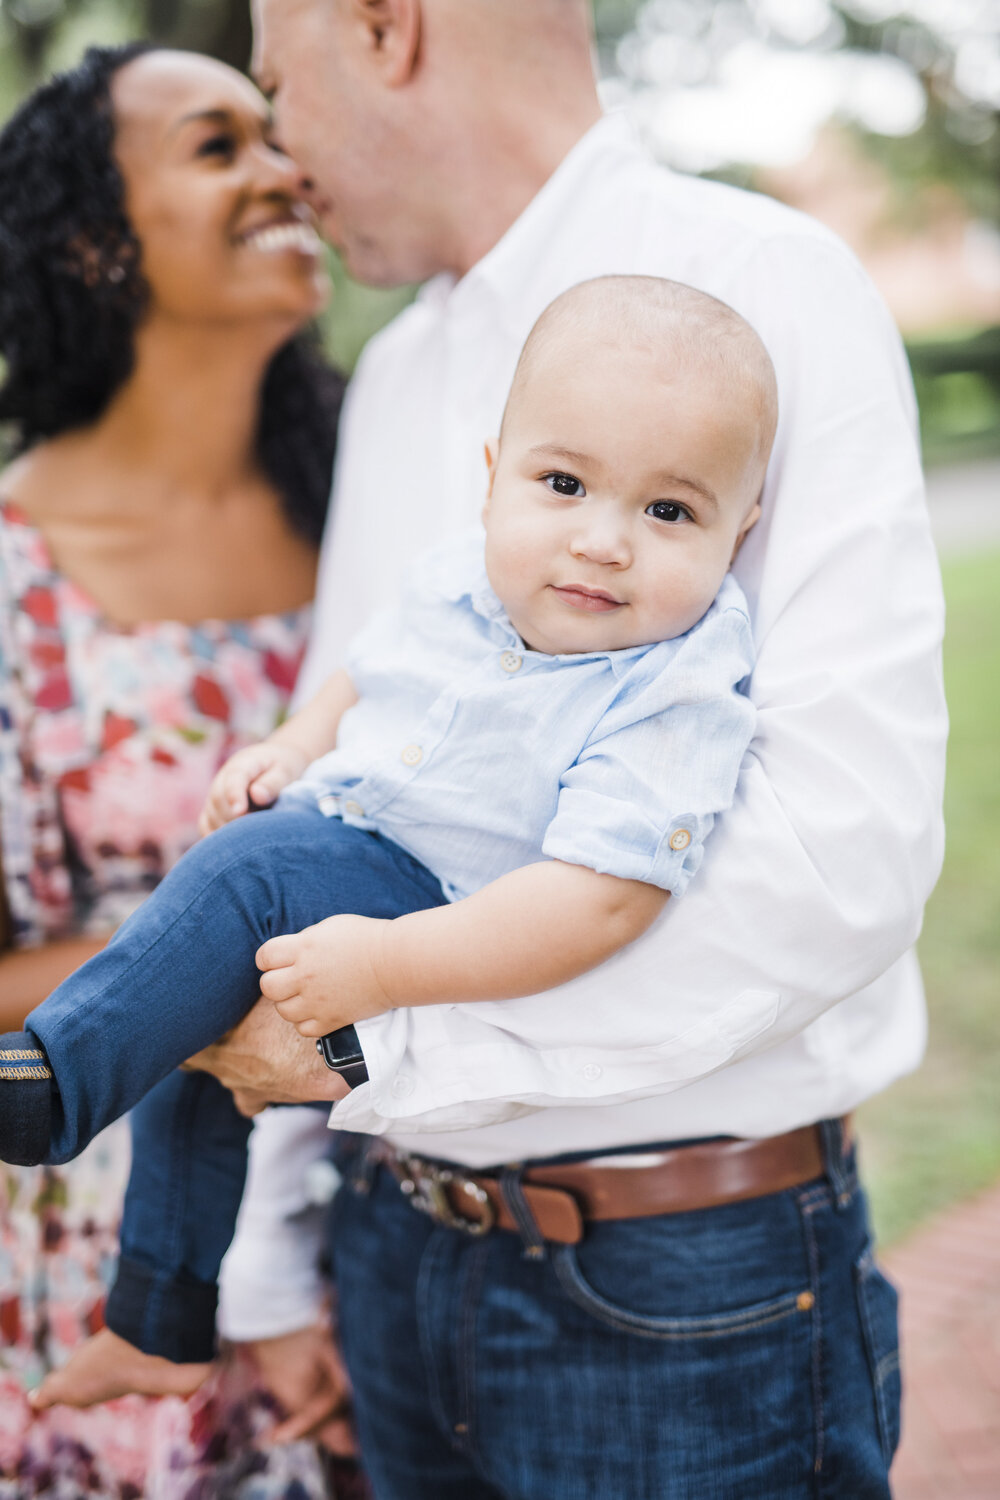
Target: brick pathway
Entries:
(949, 1280)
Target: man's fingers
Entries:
(277, 952)
(249, 1103)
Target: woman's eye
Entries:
(217, 145)
(667, 510)
(565, 484)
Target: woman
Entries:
(158, 538)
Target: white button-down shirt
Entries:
(783, 988)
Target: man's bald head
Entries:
(685, 332)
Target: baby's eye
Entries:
(668, 510)
(565, 484)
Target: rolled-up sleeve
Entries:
(641, 798)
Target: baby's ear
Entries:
(492, 451)
(751, 521)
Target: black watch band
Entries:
(341, 1051)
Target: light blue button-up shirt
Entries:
(479, 756)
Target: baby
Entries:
(514, 772)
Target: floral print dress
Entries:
(108, 740)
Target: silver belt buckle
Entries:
(426, 1186)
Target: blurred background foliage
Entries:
(883, 120)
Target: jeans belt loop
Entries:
(835, 1145)
(513, 1195)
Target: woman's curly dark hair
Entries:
(72, 292)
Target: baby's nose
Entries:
(603, 543)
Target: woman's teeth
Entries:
(274, 237)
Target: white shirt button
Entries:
(412, 755)
(354, 809)
(511, 662)
(402, 1086)
(329, 805)
(680, 839)
(592, 1072)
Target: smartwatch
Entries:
(341, 1051)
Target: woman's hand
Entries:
(305, 1374)
(256, 774)
(106, 1366)
(327, 975)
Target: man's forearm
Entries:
(537, 927)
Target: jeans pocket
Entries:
(877, 1307)
(746, 1319)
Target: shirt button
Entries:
(412, 755)
(329, 805)
(402, 1087)
(354, 809)
(510, 661)
(680, 839)
(592, 1072)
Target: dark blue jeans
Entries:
(176, 976)
(747, 1352)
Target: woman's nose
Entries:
(274, 172)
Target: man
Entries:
(708, 1320)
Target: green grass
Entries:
(935, 1137)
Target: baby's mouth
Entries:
(594, 601)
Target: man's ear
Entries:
(748, 524)
(391, 36)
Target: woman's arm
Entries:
(528, 931)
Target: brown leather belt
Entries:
(563, 1197)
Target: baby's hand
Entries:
(326, 976)
(257, 773)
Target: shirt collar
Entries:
(485, 603)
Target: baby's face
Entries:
(618, 498)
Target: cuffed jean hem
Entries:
(172, 1316)
(25, 1101)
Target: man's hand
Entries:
(306, 1375)
(326, 976)
(106, 1366)
(264, 1061)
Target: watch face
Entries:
(340, 1048)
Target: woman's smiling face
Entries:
(217, 206)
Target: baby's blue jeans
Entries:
(176, 976)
